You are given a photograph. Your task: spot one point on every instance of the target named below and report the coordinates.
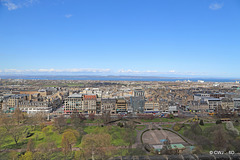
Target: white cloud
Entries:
(83, 70)
(99, 71)
(15, 4)
(68, 15)
(216, 6)
(157, 73)
(10, 5)
(132, 71)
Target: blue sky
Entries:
(120, 37)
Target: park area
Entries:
(22, 138)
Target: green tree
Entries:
(79, 155)
(12, 128)
(27, 156)
(201, 122)
(45, 130)
(218, 122)
(69, 137)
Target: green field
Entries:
(164, 120)
(187, 126)
(38, 137)
(167, 126)
(64, 84)
(116, 133)
(141, 127)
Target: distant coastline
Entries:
(113, 78)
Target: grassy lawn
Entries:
(94, 121)
(238, 127)
(52, 135)
(167, 126)
(187, 126)
(116, 132)
(207, 125)
(74, 85)
(68, 121)
(140, 127)
(50, 85)
(163, 120)
(38, 137)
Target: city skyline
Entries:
(143, 38)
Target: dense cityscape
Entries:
(119, 80)
(85, 119)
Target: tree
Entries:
(30, 145)
(47, 148)
(18, 116)
(220, 141)
(231, 129)
(27, 156)
(236, 145)
(170, 116)
(2, 135)
(196, 129)
(218, 122)
(13, 155)
(39, 155)
(66, 147)
(69, 137)
(106, 117)
(79, 155)
(77, 120)
(91, 116)
(177, 127)
(38, 118)
(97, 146)
(60, 123)
(129, 135)
(45, 130)
(201, 122)
(16, 132)
(166, 149)
(12, 128)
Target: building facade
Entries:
(73, 102)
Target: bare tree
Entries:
(220, 140)
(60, 123)
(106, 117)
(12, 128)
(18, 116)
(35, 120)
(77, 120)
(97, 146)
(129, 135)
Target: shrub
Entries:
(230, 127)
(201, 122)
(218, 122)
(120, 124)
(177, 127)
(171, 116)
(91, 116)
(236, 123)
